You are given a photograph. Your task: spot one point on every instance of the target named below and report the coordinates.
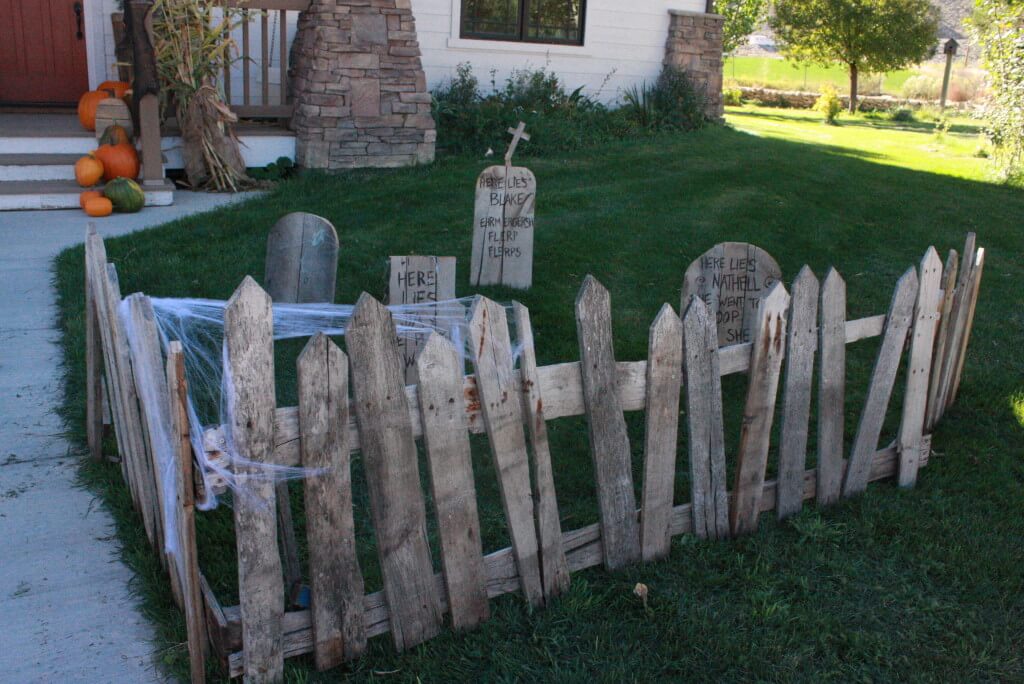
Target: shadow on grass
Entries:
(815, 598)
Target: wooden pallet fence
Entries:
(794, 337)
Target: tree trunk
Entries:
(853, 88)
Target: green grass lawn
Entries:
(916, 585)
(783, 74)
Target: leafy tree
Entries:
(865, 35)
(741, 18)
(999, 26)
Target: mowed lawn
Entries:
(923, 584)
(769, 72)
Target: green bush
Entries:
(828, 103)
(732, 96)
(472, 122)
(901, 115)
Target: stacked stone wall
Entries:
(695, 46)
(358, 85)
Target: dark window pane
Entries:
(491, 18)
(555, 20)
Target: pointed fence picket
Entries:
(382, 419)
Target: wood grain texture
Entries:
(606, 427)
(554, 573)
(759, 409)
(249, 363)
(661, 431)
(708, 497)
(958, 322)
(801, 344)
(93, 366)
(421, 280)
(502, 412)
(302, 259)
(503, 227)
(335, 578)
(897, 325)
(392, 474)
(972, 299)
(831, 388)
(949, 276)
(922, 342)
(446, 442)
(187, 560)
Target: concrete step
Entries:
(63, 143)
(28, 167)
(63, 194)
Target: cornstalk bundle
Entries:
(192, 41)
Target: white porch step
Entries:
(63, 194)
(27, 167)
(72, 143)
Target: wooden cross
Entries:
(518, 133)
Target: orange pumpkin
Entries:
(88, 195)
(114, 135)
(119, 161)
(99, 206)
(88, 171)
(119, 88)
(87, 107)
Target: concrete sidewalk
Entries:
(69, 614)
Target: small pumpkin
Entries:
(99, 206)
(119, 88)
(88, 195)
(125, 194)
(88, 171)
(119, 161)
(87, 107)
(114, 135)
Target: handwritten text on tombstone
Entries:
(503, 227)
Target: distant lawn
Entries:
(916, 144)
(921, 585)
(783, 74)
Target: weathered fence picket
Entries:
(383, 418)
(606, 426)
(446, 442)
(759, 409)
(883, 377)
(801, 343)
(392, 474)
(915, 399)
(708, 497)
(554, 572)
(502, 411)
(249, 356)
(661, 432)
(335, 578)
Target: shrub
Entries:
(901, 115)
(471, 122)
(672, 103)
(829, 104)
(732, 96)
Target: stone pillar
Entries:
(695, 46)
(360, 94)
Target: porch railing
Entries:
(259, 102)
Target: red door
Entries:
(42, 51)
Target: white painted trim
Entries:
(456, 42)
(95, 42)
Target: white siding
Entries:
(624, 44)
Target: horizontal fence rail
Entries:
(929, 322)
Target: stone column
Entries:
(360, 94)
(695, 46)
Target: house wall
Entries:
(624, 44)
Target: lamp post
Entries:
(950, 49)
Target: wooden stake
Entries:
(831, 388)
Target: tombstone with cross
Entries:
(503, 222)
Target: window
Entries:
(530, 21)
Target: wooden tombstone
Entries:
(302, 259)
(731, 278)
(503, 223)
(426, 280)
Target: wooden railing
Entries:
(259, 105)
(146, 88)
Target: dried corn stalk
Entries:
(192, 41)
